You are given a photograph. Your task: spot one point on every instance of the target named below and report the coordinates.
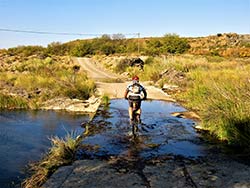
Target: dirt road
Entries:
(115, 85)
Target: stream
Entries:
(159, 134)
(167, 147)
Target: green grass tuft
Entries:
(62, 152)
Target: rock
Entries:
(137, 62)
(133, 62)
(167, 87)
(187, 115)
(92, 174)
(213, 170)
(73, 105)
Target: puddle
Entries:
(160, 133)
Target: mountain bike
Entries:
(136, 118)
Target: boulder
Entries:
(136, 62)
(73, 105)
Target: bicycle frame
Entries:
(136, 118)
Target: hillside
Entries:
(226, 45)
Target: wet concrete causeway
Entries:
(167, 153)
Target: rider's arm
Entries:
(126, 93)
(144, 93)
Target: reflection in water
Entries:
(160, 133)
(24, 138)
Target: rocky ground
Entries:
(162, 172)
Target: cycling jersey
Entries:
(135, 92)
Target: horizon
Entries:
(65, 21)
(46, 45)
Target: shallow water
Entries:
(24, 137)
(160, 133)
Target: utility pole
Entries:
(138, 43)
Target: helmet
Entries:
(135, 78)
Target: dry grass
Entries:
(12, 102)
(36, 81)
(221, 96)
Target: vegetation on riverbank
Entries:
(221, 94)
(29, 83)
(61, 153)
(216, 88)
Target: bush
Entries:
(80, 90)
(121, 66)
(173, 44)
(26, 51)
(82, 49)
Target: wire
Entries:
(54, 33)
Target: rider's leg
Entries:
(139, 112)
(139, 117)
(130, 112)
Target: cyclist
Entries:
(135, 93)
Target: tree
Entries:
(105, 38)
(173, 44)
(118, 36)
(153, 47)
(56, 48)
(108, 48)
(82, 49)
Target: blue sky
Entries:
(187, 18)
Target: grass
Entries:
(61, 153)
(36, 81)
(12, 102)
(230, 107)
(105, 100)
(221, 96)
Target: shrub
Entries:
(82, 49)
(173, 44)
(121, 66)
(80, 90)
(105, 100)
